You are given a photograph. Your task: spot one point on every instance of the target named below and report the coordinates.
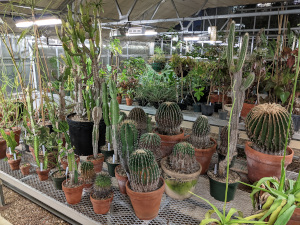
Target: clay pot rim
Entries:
(225, 181)
(118, 176)
(102, 200)
(22, 166)
(164, 135)
(10, 160)
(38, 170)
(145, 194)
(182, 176)
(207, 149)
(71, 188)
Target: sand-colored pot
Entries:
(101, 206)
(14, 164)
(264, 165)
(168, 142)
(25, 170)
(227, 107)
(98, 163)
(43, 175)
(121, 181)
(146, 204)
(246, 109)
(73, 195)
(178, 185)
(3, 148)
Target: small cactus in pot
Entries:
(200, 133)
(152, 142)
(87, 173)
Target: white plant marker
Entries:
(25, 133)
(113, 158)
(215, 170)
(210, 103)
(218, 92)
(108, 146)
(256, 102)
(43, 147)
(41, 166)
(9, 149)
(15, 156)
(67, 171)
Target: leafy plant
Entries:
(158, 57)
(10, 140)
(198, 93)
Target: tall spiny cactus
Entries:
(97, 115)
(238, 87)
(144, 171)
(72, 165)
(200, 133)
(183, 158)
(151, 141)
(128, 135)
(266, 126)
(105, 109)
(169, 118)
(140, 117)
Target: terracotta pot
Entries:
(146, 204)
(3, 148)
(25, 170)
(87, 186)
(101, 206)
(217, 98)
(43, 175)
(246, 109)
(168, 142)
(98, 163)
(14, 164)
(264, 165)
(11, 155)
(203, 156)
(178, 185)
(295, 219)
(64, 163)
(129, 101)
(73, 195)
(121, 181)
(52, 157)
(17, 132)
(119, 99)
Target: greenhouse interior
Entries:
(149, 112)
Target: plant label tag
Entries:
(210, 103)
(41, 166)
(9, 149)
(256, 102)
(113, 158)
(43, 147)
(215, 169)
(25, 133)
(108, 146)
(15, 156)
(218, 92)
(67, 171)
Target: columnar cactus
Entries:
(169, 118)
(151, 141)
(97, 115)
(140, 117)
(102, 186)
(200, 133)
(128, 140)
(266, 126)
(144, 171)
(87, 171)
(183, 158)
(72, 165)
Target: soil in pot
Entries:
(98, 162)
(197, 107)
(58, 177)
(64, 161)
(121, 178)
(146, 204)
(73, 192)
(178, 185)
(3, 147)
(81, 134)
(101, 206)
(25, 169)
(217, 186)
(14, 164)
(111, 166)
(207, 110)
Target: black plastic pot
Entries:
(218, 105)
(296, 120)
(182, 106)
(222, 114)
(207, 110)
(81, 135)
(155, 104)
(217, 190)
(50, 128)
(111, 168)
(57, 181)
(107, 154)
(142, 102)
(197, 107)
(158, 66)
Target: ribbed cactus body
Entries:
(102, 186)
(169, 118)
(200, 133)
(122, 117)
(183, 158)
(140, 117)
(151, 141)
(87, 171)
(266, 126)
(144, 171)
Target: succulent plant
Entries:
(223, 147)
(151, 141)
(266, 126)
(144, 171)
(72, 167)
(140, 117)
(122, 117)
(87, 171)
(169, 118)
(102, 186)
(200, 133)
(183, 158)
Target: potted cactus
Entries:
(59, 175)
(25, 167)
(73, 186)
(13, 158)
(102, 195)
(87, 174)
(152, 142)
(169, 118)
(146, 187)
(181, 171)
(266, 127)
(140, 117)
(204, 146)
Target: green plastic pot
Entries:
(158, 66)
(111, 168)
(217, 190)
(107, 154)
(57, 182)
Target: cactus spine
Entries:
(87, 171)
(72, 167)
(151, 141)
(102, 186)
(200, 133)
(144, 171)
(169, 118)
(140, 117)
(266, 126)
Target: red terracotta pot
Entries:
(25, 170)
(146, 204)
(168, 142)
(17, 132)
(98, 163)
(14, 164)
(101, 206)
(264, 165)
(129, 101)
(43, 175)
(203, 156)
(64, 163)
(213, 98)
(295, 219)
(246, 109)
(11, 155)
(119, 99)
(73, 195)
(121, 181)
(3, 148)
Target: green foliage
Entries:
(133, 67)
(10, 140)
(158, 57)
(198, 93)
(103, 181)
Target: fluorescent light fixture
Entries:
(45, 22)
(210, 42)
(150, 32)
(191, 38)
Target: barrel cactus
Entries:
(200, 133)
(102, 186)
(183, 158)
(266, 126)
(140, 117)
(169, 118)
(122, 117)
(151, 141)
(87, 171)
(144, 171)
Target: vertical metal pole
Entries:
(171, 49)
(2, 201)
(162, 44)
